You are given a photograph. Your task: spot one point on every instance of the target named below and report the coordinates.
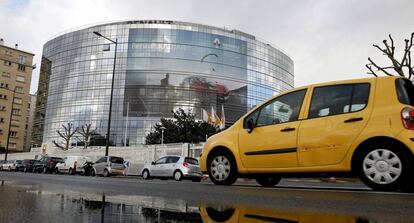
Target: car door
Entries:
(100, 164)
(336, 116)
(273, 141)
(170, 166)
(156, 169)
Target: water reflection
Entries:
(33, 203)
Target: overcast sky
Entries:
(327, 39)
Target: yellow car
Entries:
(361, 127)
(252, 215)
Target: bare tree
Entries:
(403, 68)
(86, 132)
(66, 135)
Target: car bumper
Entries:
(116, 171)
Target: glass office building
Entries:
(160, 66)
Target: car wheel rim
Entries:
(382, 166)
(177, 175)
(220, 168)
(145, 175)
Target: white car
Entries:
(177, 167)
(8, 165)
(71, 164)
(109, 165)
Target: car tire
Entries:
(70, 171)
(268, 181)
(178, 175)
(106, 173)
(57, 171)
(146, 175)
(93, 173)
(222, 168)
(9, 169)
(44, 170)
(384, 167)
(25, 169)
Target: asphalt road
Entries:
(291, 196)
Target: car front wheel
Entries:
(384, 168)
(93, 173)
(222, 168)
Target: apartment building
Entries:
(15, 77)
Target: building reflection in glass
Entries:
(161, 66)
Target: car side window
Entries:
(338, 99)
(285, 108)
(172, 159)
(101, 160)
(161, 161)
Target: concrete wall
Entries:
(138, 156)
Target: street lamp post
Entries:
(10, 122)
(162, 134)
(112, 91)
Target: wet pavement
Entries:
(63, 199)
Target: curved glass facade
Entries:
(160, 66)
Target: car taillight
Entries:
(185, 164)
(407, 116)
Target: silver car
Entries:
(108, 165)
(177, 167)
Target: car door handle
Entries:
(354, 120)
(287, 129)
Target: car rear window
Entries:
(116, 160)
(56, 159)
(191, 161)
(405, 91)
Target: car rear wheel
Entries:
(222, 168)
(25, 169)
(384, 168)
(145, 175)
(268, 181)
(70, 171)
(57, 171)
(9, 169)
(44, 170)
(178, 176)
(106, 173)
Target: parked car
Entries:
(46, 164)
(108, 165)
(27, 165)
(18, 166)
(71, 164)
(8, 165)
(1, 164)
(361, 127)
(177, 167)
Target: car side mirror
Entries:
(250, 125)
(152, 163)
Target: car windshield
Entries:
(116, 160)
(19, 162)
(191, 161)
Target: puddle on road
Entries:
(32, 203)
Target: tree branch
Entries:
(378, 67)
(370, 68)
